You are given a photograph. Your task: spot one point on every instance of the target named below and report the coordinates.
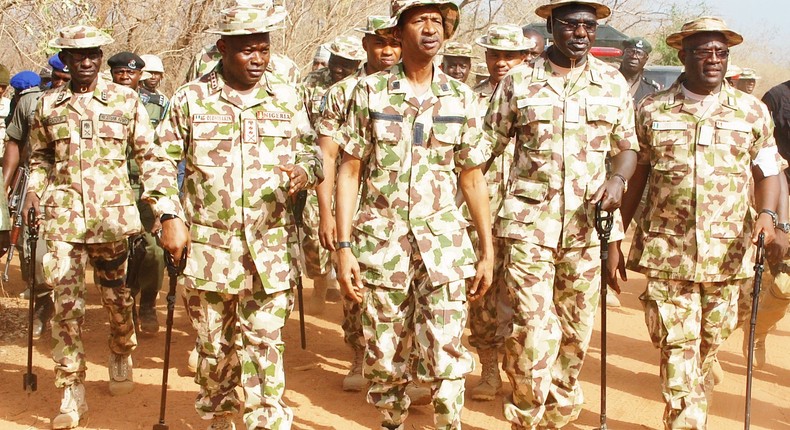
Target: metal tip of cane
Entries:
(161, 427)
(30, 382)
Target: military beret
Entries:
(24, 80)
(5, 75)
(638, 43)
(126, 60)
(56, 64)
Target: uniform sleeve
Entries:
(333, 113)
(762, 130)
(643, 132)
(158, 159)
(472, 150)
(499, 121)
(42, 154)
(357, 127)
(5, 218)
(623, 136)
(306, 149)
(19, 123)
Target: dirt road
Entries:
(314, 377)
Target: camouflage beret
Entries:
(240, 20)
(451, 15)
(126, 60)
(638, 43)
(349, 47)
(457, 49)
(505, 38)
(705, 24)
(80, 36)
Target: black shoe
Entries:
(42, 314)
(149, 324)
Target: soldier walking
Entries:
(248, 148)
(701, 144)
(80, 189)
(412, 129)
(567, 115)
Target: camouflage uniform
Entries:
(563, 136)
(691, 296)
(78, 168)
(280, 69)
(410, 239)
(241, 267)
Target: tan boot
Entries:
(317, 302)
(121, 378)
(354, 381)
(717, 373)
(192, 361)
(612, 301)
(222, 422)
(72, 407)
(490, 380)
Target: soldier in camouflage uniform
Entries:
(383, 51)
(490, 318)
(568, 115)
(701, 144)
(413, 128)
(248, 146)
(457, 60)
(79, 138)
(346, 54)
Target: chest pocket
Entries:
(212, 143)
(445, 135)
(732, 143)
(114, 134)
(275, 142)
(388, 135)
(671, 145)
(61, 135)
(601, 114)
(536, 122)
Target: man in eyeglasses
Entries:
(635, 54)
(568, 115)
(701, 144)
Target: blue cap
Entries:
(56, 64)
(24, 80)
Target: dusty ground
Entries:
(314, 377)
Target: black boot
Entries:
(42, 314)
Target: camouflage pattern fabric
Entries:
(222, 366)
(409, 235)
(64, 268)
(280, 69)
(555, 297)
(78, 164)
(242, 265)
(710, 226)
(564, 130)
(5, 217)
(688, 322)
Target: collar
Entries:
(99, 93)
(542, 70)
(728, 96)
(397, 84)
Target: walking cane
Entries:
(173, 273)
(299, 202)
(30, 380)
(603, 225)
(759, 260)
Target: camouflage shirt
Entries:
(698, 221)
(314, 87)
(334, 111)
(564, 131)
(235, 194)
(411, 152)
(280, 69)
(78, 164)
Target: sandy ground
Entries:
(314, 377)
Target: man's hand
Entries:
(327, 231)
(615, 264)
(611, 193)
(32, 201)
(297, 176)
(764, 224)
(348, 275)
(777, 251)
(482, 280)
(174, 237)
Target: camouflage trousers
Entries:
(352, 325)
(255, 363)
(64, 269)
(318, 260)
(774, 299)
(688, 322)
(429, 318)
(555, 296)
(491, 316)
(41, 249)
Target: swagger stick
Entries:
(759, 261)
(603, 225)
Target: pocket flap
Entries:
(529, 189)
(210, 235)
(446, 222)
(377, 226)
(725, 229)
(668, 226)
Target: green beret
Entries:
(638, 43)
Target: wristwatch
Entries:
(784, 226)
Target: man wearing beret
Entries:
(249, 148)
(568, 115)
(60, 73)
(702, 145)
(635, 54)
(86, 207)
